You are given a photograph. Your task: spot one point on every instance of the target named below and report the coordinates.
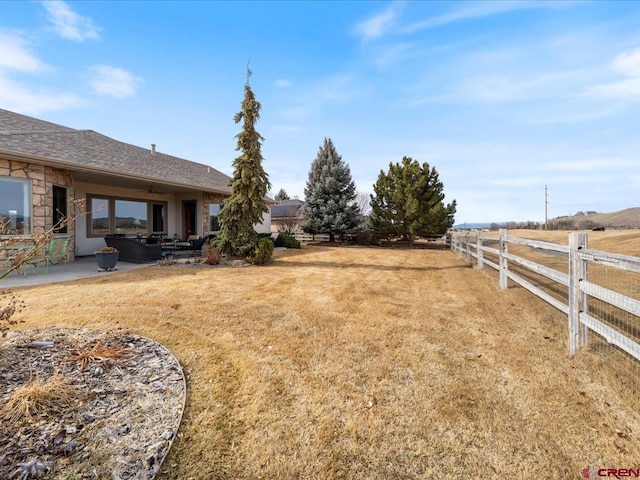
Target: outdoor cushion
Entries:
(135, 251)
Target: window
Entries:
(15, 205)
(131, 217)
(59, 208)
(99, 221)
(214, 210)
(111, 215)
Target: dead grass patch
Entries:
(38, 397)
(335, 363)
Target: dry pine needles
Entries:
(99, 355)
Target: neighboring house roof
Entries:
(35, 140)
(287, 209)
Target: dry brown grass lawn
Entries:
(357, 363)
(626, 242)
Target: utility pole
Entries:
(546, 207)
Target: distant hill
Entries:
(627, 218)
(472, 226)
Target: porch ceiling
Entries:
(133, 183)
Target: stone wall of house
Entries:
(43, 179)
(207, 199)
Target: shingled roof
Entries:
(287, 209)
(85, 150)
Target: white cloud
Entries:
(391, 54)
(287, 128)
(595, 164)
(522, 86)
(283, 83)
(379, 25)
(296, 112)
(21, 98)
(626, 64)
(69, 24)
(515, 182)
(473, 10)
(334, 89)
(337, 87)
(14, 55)
(465, 12)
(113, 81)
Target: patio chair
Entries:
(57, 251)
(11, 255)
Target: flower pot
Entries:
(107, 260)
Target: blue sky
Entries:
(501, 97)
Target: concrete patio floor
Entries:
(82, 267)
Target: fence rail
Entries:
(589, 304)
(307, 237)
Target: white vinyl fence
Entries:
(598, 291)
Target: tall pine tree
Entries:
(281, 195)
(249, 184)
(330, 195)
(409, 202)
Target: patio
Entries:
(82, 267)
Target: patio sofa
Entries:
(134, 250)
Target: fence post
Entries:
(504, 248)
(467, 248)
(577, 299)
(479, 251)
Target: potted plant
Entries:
(107, 258)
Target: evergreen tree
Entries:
(409, 202)
(281, 195)
(330, 195)
(249, 184)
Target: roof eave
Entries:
(40, 160)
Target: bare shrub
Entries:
(213, 256)
(9, 305)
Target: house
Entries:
(287, 216)
(45, 169)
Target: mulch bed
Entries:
(127, 396)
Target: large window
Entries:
(131, 217)
(214, 210)
(15, 205)
(111, 215)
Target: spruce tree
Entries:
(249, 184)
(330, 195)
(281, 195)
(409, 202)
